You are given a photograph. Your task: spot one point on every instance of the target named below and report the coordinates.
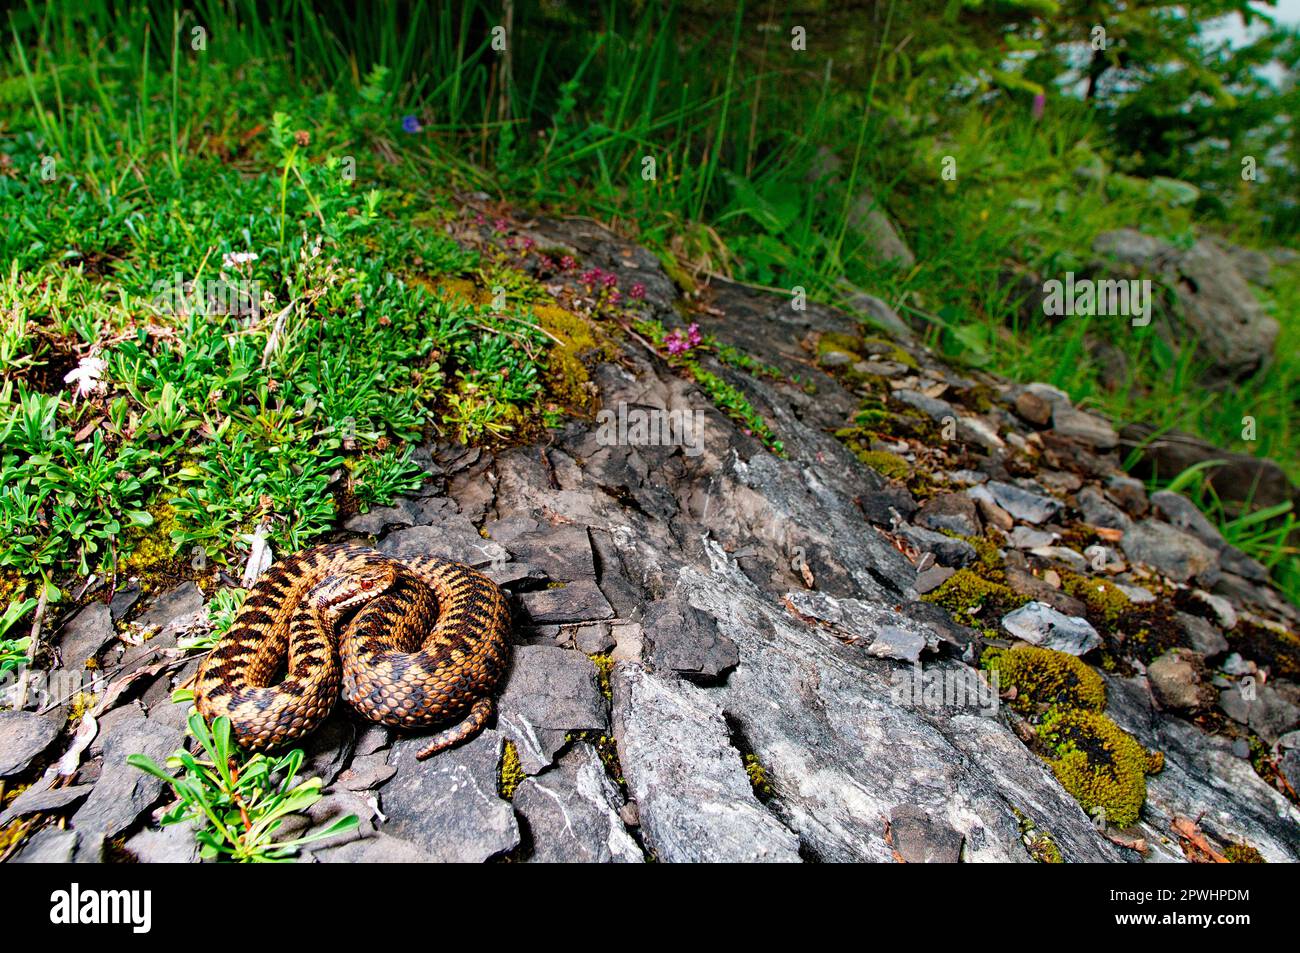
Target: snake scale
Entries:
(406, 641)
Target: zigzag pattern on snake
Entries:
(406, 641)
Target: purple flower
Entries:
(567, 263)
(636, 292)
(528, 244)
(615, 296)
(411, 124)
(694, 336)
(675, 343)
(1040, 104)
(500, 225)
(609, 279)
(591, 277)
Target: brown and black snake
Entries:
(407, 641)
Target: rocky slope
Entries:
(725, 653)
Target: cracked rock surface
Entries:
(724, 655)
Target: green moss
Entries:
(604, 665)
(967, 596)
(1045, 679)
(830, 342)
(1099, 764)
(1279, 650)
(758, 778)
(607, 750)
(887, 464)
(1106, 602)
(1243, 854)
(893, 352)
(511, 773)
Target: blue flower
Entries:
(411, 124)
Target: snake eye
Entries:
(367, 583)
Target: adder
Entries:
(409, 642)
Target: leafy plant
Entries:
(235, 802)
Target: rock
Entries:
(867, 217)
(1099, 511)
(579, 601)
(49, 845)
(24, 736)
(122, 792)
(1202, 778)
(1086, 428)
(1061, 554)
(1039, 624)
(1267, 714)
(894, 642)
(932, 407)
(1128, 493)
(183, 600)
(1033, 408)
(954, 512)
(1234, 333)
(885, 369)
(920, 839)
(878, 313)
(366, 772)
(1022, 537)
(1022, 504)
(36, 800)
(593, 639)
(124, 601)
(946, 549)
(1180, 682)
(379, 849)
(550, 691)
(173, 844)
(1136, 594)
(454, 537)
(689, 784)
(1022, 583)
(86, 635)
(573, 813)
(563, 552)
(834, 359)
(881, 506)
(1221, 607)
(1203, 637)
(932, 578)
(1180, 556)
(1182, 512)
(1234, 561)
(682, 639)
(448, 807)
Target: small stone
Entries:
(833, 359)
(954, 512)
(629, 641)
(1022, 504)
(919, 838)
(1040, 590)
(122, 792)
(1129, 493)
(579, 601)
(1223, 609)
(1087, 429)
(1180, 682)
(932, 407)
(379, 849)
(1136, 594)
(932, 578)
(1039, 624)
(1178, 555)
(1022, 537)
(897, 643)
(35, 800)
(1267, 713)
(1182, 512)
(49, 845)
(1099, 511)
(86, 635)
(593, 639)
(1033, 408)
(173, 844)
(1061, 554)
(946, 549)
(682, 639)
(183, 600)
(24, 736)
(1204, 638)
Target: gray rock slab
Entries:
(24, 736)
(573, 813)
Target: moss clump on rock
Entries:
(1106, 602)
(889, 465)
(1243, 854)
(1100, 764)
(967, 595)
(1044, 679)
(511, 773)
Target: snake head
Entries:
(348, 588)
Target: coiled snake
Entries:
(411, 642)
